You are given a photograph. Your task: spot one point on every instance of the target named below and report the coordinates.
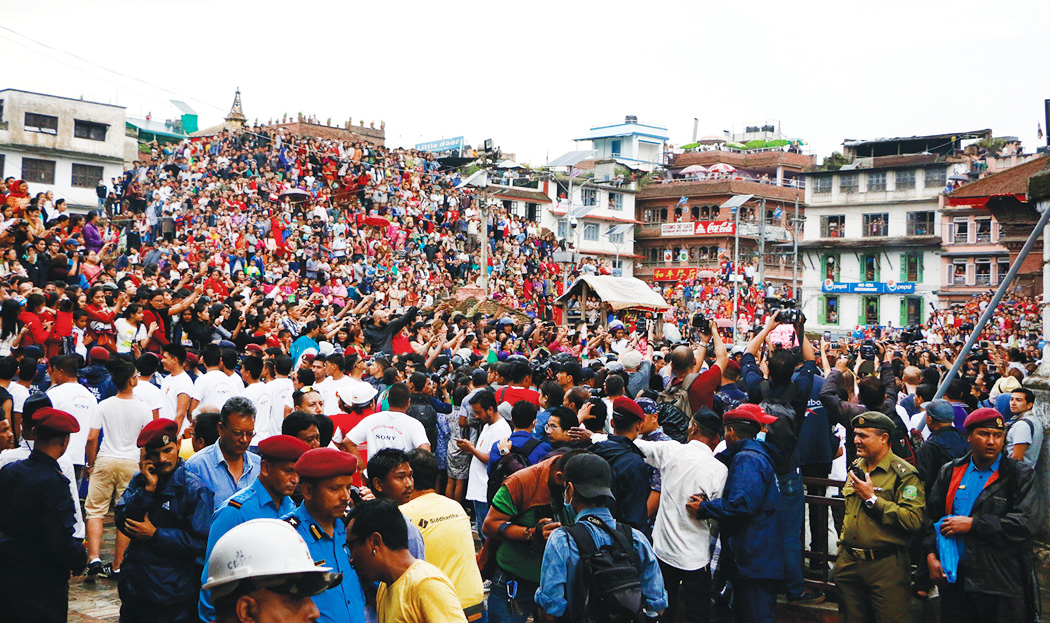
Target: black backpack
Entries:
(673, 409)
(515, 460)
(421, 409)
(783, 434)
(608, 587)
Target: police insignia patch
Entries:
(293, 520)
(910, 492)
(234, 503)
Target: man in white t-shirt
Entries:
(495, 428)
(388, 429)
(112, 462)
(281, 389)
(176, 388)
(334, 381)
(216, 386)
(259, 394)
(145, 390)
(67, 394)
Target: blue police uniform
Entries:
(160, 579)
(342, 603)
(255, 502)
(37, 546)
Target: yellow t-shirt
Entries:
(449, 543)
(421, 595)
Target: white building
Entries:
(636, 145)
(61, 144)
(871, 250)
(604, 217)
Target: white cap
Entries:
(357, 393)
(265, 549)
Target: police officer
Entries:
(326, 478)
(985, 504)
(37, 546)
(166, 511)
(884, 508)
(277, 582)
(267, 497)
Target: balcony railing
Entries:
(720, 177)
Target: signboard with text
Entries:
(868, 287)
(445, 144)
(698, 228)
(673, 274)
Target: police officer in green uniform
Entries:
(884, 508)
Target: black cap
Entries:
(590, 475)
(35, 402)
(708, 419)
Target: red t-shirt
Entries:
(702, 391)
(514, 394)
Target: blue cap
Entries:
(941, 410)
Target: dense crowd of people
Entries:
(250, 356)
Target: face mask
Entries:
(761, 436)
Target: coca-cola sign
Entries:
(698, 228)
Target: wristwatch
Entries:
(870, 502)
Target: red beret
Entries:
(984, 418)
(748, 413)
(97, 353)
(282, 448)
(733, 365)
(56, 420)
(625, 407)
(192, 358)
(255, 348)
(158, 433)
(326, 463)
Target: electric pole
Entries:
(762, 244)
(794, 268)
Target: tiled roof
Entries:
(1013, 181)
(520, 193)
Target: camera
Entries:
(911, 335)
(574, 222)
(640, 325)
(701, 322)
(786, 310)
(867, 349)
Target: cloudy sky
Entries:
(535, 75)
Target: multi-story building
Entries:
(684, 231)
(61, 144)
(635, 145)
(872, 231)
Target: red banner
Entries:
(674, 274)
(699, 228)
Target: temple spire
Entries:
(236, 114)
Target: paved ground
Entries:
(93, 603)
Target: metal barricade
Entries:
(820, 508)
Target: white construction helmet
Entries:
(271, 554)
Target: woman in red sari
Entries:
(101, 317)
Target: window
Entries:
(869, 310)
(615, 201)
(920, 223)
(714, 212)
(86, 176)
(829, 267)
(936, 178)
(821, 185)
(832, 226)
(615, 238)
(984, 229)
(38, 171)
(876, 224)
(911, 267)
(958, 273)
(876, 181)
(590, 197)
(562, 230)
(1001, 270)
(89, 130)
(911, 311)
(984, 272)
(961, 225)
(848, 183)
(590, 231)
(869, 267)
(905, 179)
(829, 310)
(41, 123)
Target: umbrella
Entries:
(695, 168)
(722, 167)
(296, 194)
(377, 221)
(691, 146)
(736, 146)
(723, 323)
(778, 142)
(705, 274)
(509, 164)
(758, 143)
(959, 178)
